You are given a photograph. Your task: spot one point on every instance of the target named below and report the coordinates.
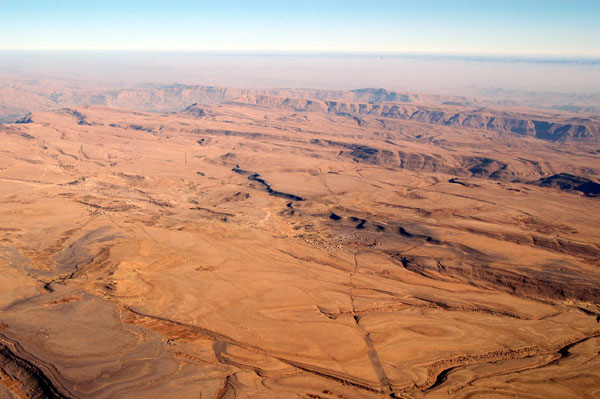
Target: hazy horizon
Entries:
(432, 73)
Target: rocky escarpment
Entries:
(569, 182)
(26, 378)
(540, 126)
(25, 119)
(459, 165)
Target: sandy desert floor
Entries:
(274, 247)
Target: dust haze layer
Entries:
(295, 243)
(557, 83)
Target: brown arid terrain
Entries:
(22, 94)
(298, 244)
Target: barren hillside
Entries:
(299, 244)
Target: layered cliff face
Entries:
(278, 246)
(19, 99)
(557, 128)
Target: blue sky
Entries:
(534, 27)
